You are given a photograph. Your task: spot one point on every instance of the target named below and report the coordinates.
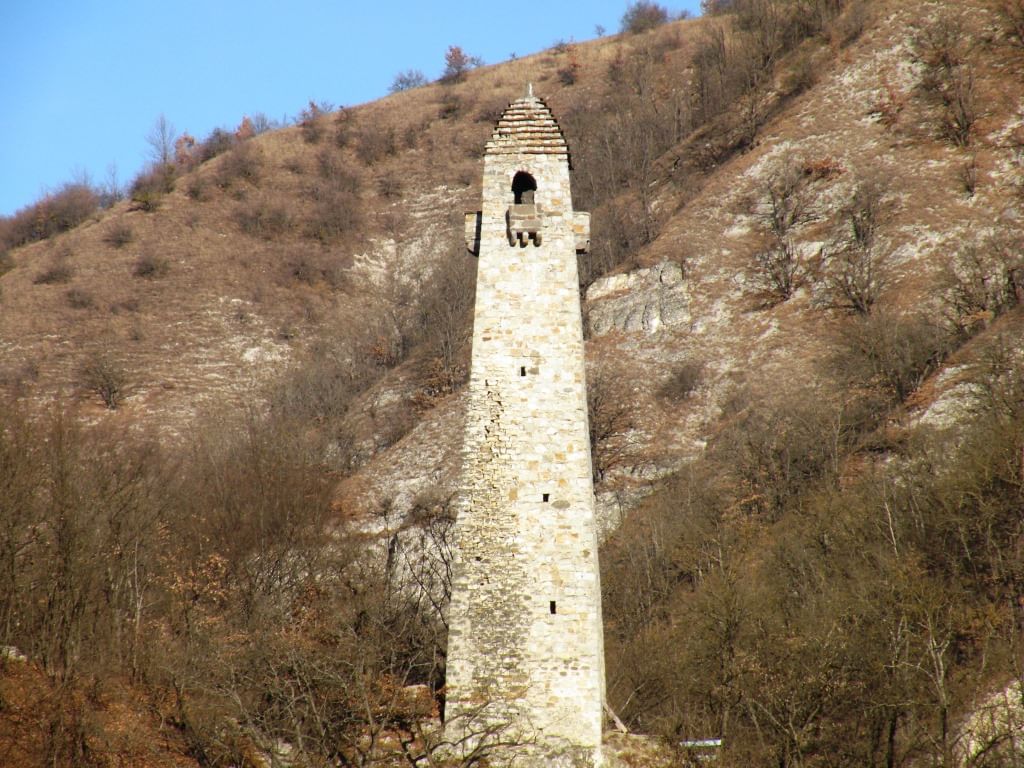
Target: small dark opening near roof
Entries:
(522, 370)
(523, 187)
(546, 497)
(551, 607)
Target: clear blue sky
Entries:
(82, 81)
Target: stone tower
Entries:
(525, 648)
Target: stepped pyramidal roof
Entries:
(528, 127)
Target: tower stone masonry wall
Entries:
(525, 650)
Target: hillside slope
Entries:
(805, 276)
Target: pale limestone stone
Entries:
(525, 649)
(643, 300)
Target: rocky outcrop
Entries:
(643, 300)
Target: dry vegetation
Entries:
(223, 570)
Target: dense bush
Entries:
(312, 120)
(1011, 15)
(55, 213)
(149, 187)
(59, 271)
(119, 235)
(151, 265)
(642, 16)
(263, 219)
(457, 63)
(242, 163)
(79, 298)
(684, 380)
(841, 624)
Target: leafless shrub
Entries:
(375, 142)
(149, 187)
(119, 235)
(611, 423)
(457, 63)
(615, 238)
(389, 186)
(775, 442)
(261, 123)
(243, 162)
(443, 327)
(969, 175)
(312, 269)
(850, 23)
(338, 209)
(406, 80)
(683, 381)
(1011, 16)
(338, 212)
(105, 376)
(334, 171)
(343, 126)
(451, 107)
(641, 16)
(984, 281)
(312, 121)
(960, 109)
(943, 49)
(889, 106)
(79, 298)
(715, 7)
(263, 219)
(802, 73)
(569, 72)
(58, 272)
(784, 203)
(151, 266)
(217, 143)
(855, 269)
(54, 213)
(776, 269)
(893, 353)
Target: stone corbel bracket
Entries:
(473, 221)
(581, 230)
(524, 224)
(520, 222)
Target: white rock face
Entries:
(644, 300)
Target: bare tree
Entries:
(776, 269)
(161, 138)
(855, 267)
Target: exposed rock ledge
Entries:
(642, 300)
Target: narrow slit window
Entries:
(546, 497)
(522, 370)
(552, 607)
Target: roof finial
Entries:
(529, 90)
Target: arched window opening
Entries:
(523, 187)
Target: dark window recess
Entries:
(546, 497)
(523, 187)
(551, 607)
(522, 370)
